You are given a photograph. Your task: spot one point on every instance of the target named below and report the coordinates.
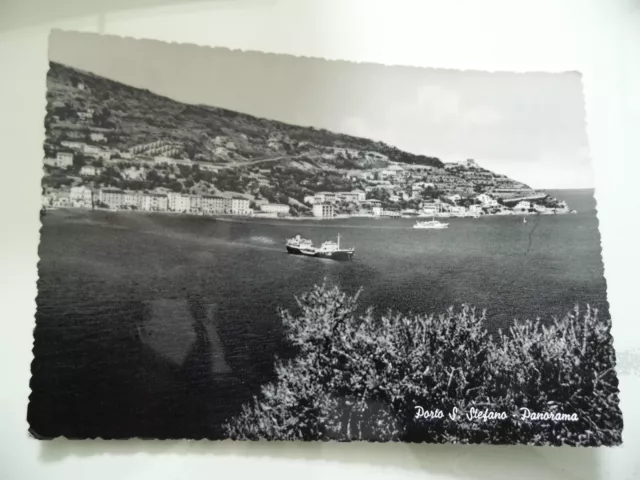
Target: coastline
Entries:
(257, 219)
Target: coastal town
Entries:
(396, 190)
(159, 155)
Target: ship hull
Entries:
(340, 255)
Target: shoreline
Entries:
(240, 218)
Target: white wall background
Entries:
(599, 38)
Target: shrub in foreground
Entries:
(361, 376)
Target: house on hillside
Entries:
(486, 200)
(133, 173)
(62, 160)
(90, 171)
(97, 137)
(86, 115)
(522, 206)
(79, 146)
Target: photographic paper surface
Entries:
(247, 245)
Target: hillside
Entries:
(132, 139)
(132, 116)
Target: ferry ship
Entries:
(329, 249)
(432, 224)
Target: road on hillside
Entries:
(262, 160)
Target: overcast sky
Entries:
(528, 126)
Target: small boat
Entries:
(432, 224)
(524, 220)
(330, 250)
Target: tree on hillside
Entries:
(79, 161)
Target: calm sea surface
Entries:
(99, 272)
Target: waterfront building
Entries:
(324, 210)
(154, 202)
(540, 208)
(113, 197)
(178, 202)
(475, 208)
(240, 206)
(195, 203)
(523, 206)
(376, 210)
(432, 207)
(132, 199)
(486, 200)
(80, 196)
(275, 208)
(214, 204)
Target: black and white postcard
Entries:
(253, 246)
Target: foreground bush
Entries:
(360, 377)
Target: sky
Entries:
(529, 126)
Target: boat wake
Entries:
(262, 240)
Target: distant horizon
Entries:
(537, 118)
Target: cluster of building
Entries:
(115, 199)
(334, 197)
(165, 148)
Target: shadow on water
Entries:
(154, 368)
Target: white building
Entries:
(324, 197)
(195, 203)
(97, 137)
(362, 196)
(156, 202)
(240, 206)
(132, 199)
(487, 200)
(73, 145)
(80, 196)
(454, 198)
(62, 160)
(178, 202)
(90, 171)
(540, 208)
(376, 210)
(277, 208)
(475, 208)
(323, 210)
(523, 206)
(133, 173)
(468, 163)
(86, 115)
(164, 160)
